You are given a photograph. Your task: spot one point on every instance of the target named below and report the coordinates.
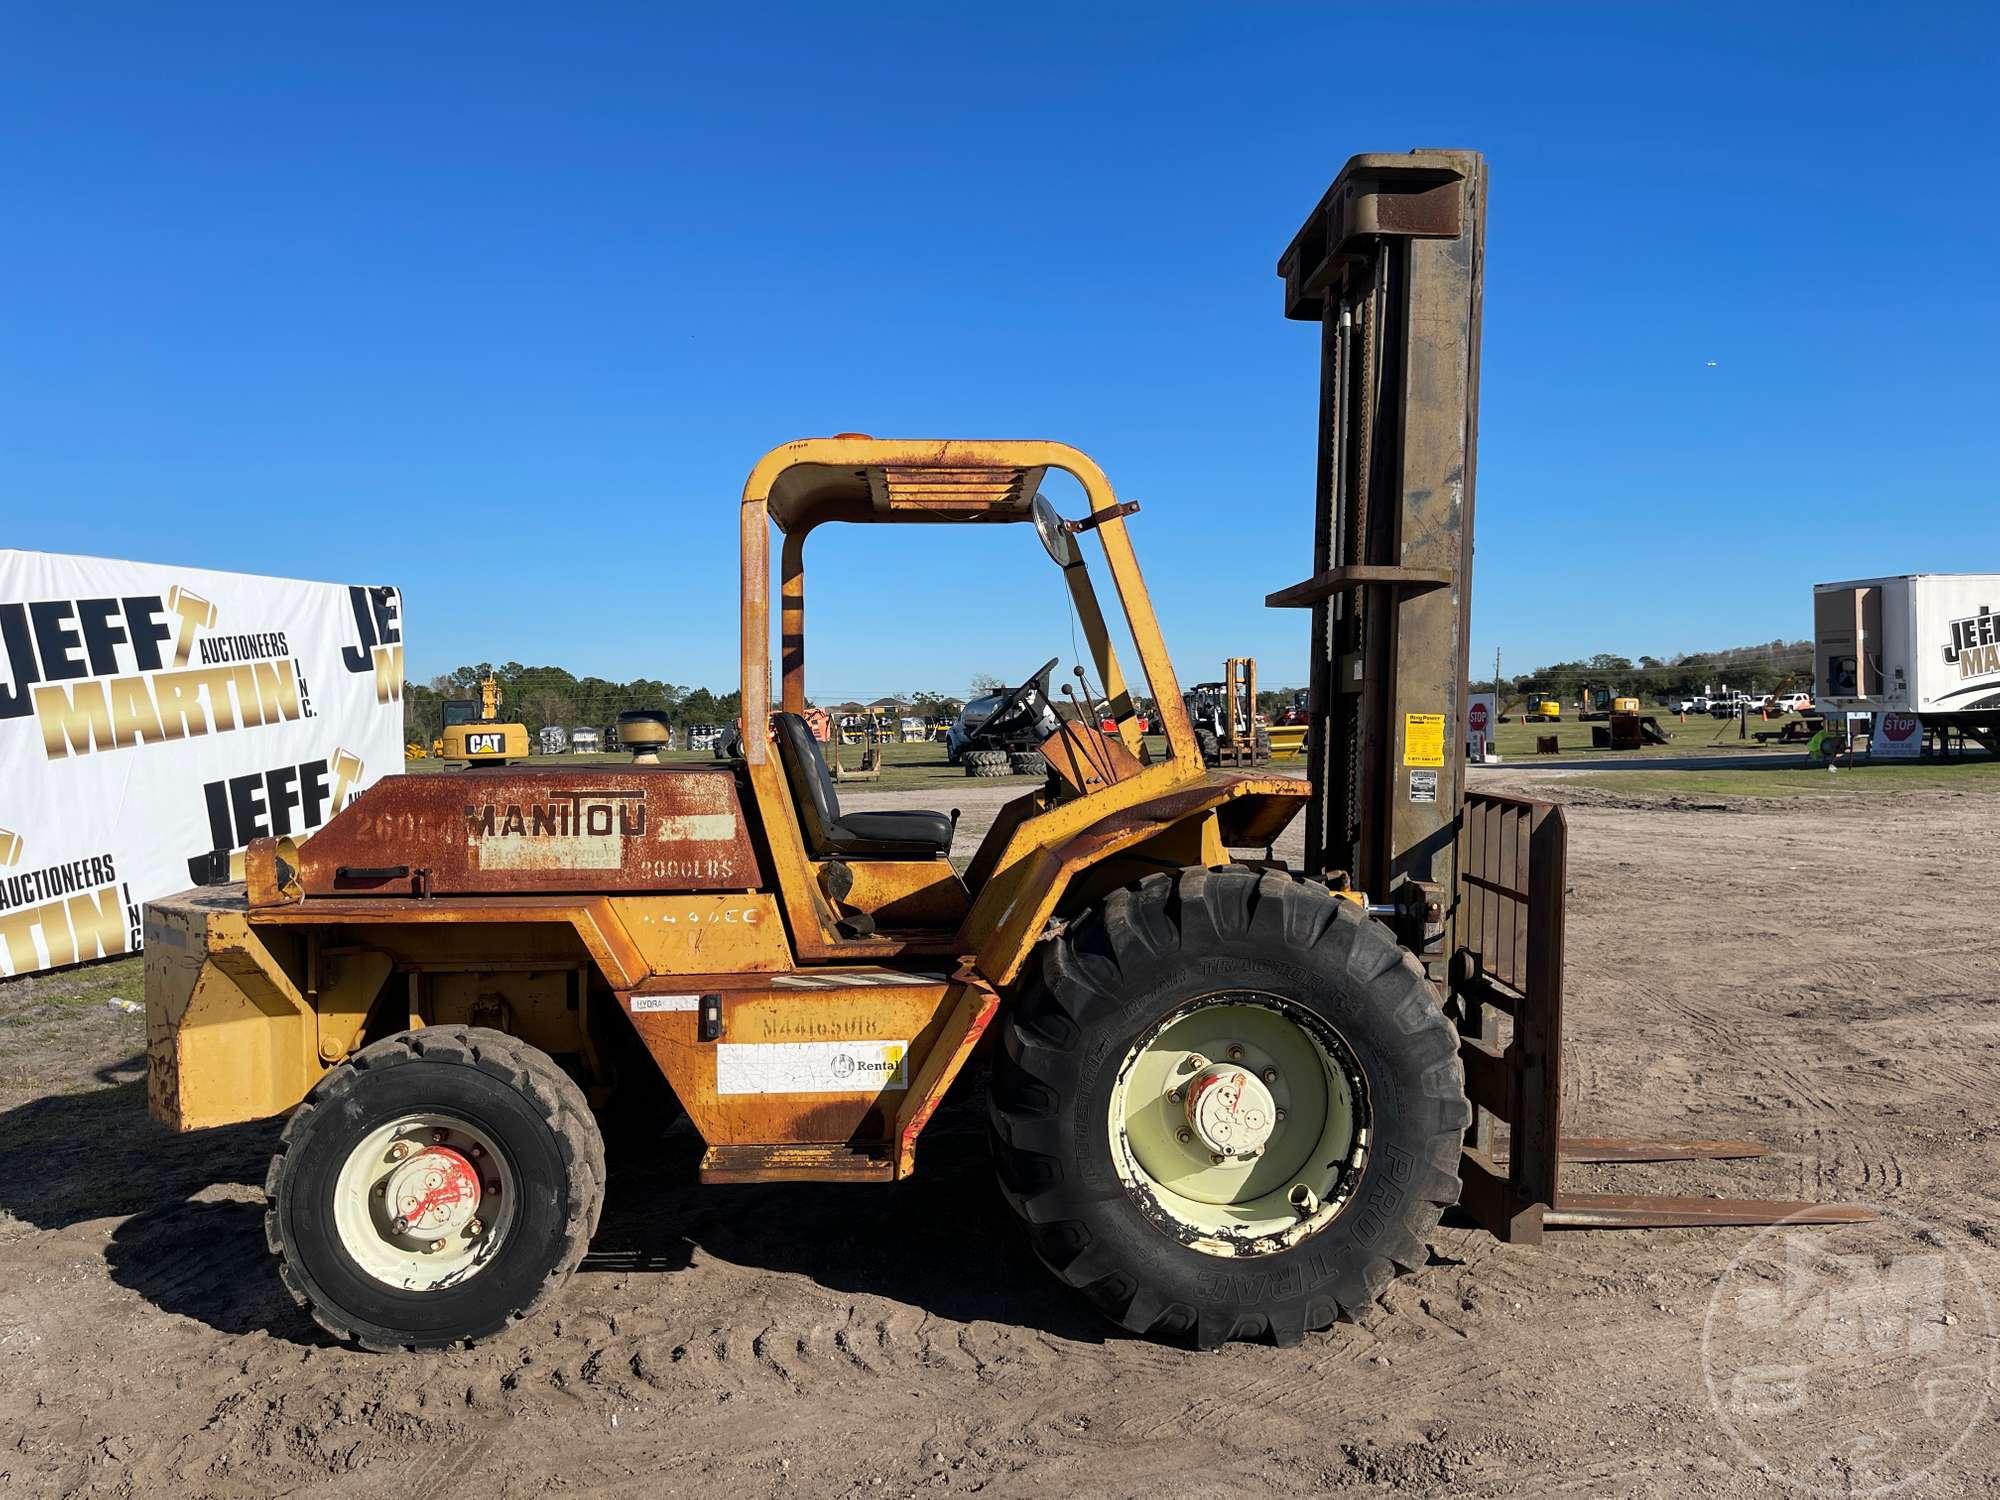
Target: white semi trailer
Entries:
(1926, 644)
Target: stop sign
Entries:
(1899, 726)
(1475, 718)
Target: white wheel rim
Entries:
(1240, 1123)
(424, 1202)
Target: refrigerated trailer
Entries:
(1926, 644)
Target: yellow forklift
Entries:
(1228, 1099)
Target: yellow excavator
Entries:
(474, 734)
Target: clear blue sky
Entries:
(500, 303)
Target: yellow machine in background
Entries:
(473, 733)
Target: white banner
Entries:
(153, 720)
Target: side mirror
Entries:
(1059, 544)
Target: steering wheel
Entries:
(1019, 696)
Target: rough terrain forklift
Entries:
(1224, 716)
(1226, 1099)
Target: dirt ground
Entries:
(1816, 973)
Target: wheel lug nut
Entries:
(1281, 1117)
(436, 1245)
(1236, 1054)
(381, 1189)
(1177, 1095)
(1184, 1136)
(398, 1151)
(401, 1224)
(475, 1229)
(1270, 1075)
(437, 1135)
(476, 1151)
(493, 1187)
(1216, 1159)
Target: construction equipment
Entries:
(869, 767)
(473, 733)
(1224, 715)
(1389, 265)
(1225, 1101)
(1625, 728)
(1001, 733)
(1223, 1104)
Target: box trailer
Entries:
(1917, 643)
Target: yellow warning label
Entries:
(1423, 739)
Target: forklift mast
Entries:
(1389, 264)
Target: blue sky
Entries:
(500, 304)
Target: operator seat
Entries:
(859, 835)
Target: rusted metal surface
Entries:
(1010, 911)
(969, 1008)
(1625, 1211)
(737, 933)
(592, 919)
(823, 1055)
(1389, 264)
(1597, 1148)
(846, 1161)
(517, 830)
(1513, 872)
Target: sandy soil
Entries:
(1818, 974)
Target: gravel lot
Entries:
(1817, 973)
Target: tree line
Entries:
(1773, 667)
(540, 696)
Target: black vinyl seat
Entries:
(860, 835)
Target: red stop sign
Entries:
(1475, 718)
(1898, 726)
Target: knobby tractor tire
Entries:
(985, 763)
(1028, 763)
(1211, 747)
(541, 1128)
(1149, 952)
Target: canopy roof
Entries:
(855, 478)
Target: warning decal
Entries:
(1423, 739)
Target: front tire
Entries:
(434, 1189)
(1211, 1236)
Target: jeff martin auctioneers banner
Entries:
(153, 720)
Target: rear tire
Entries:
(1269, 949)
(1211, 747)
(472, 1099)
(1028, 763)
(985, 763)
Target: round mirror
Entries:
(1049, 526)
